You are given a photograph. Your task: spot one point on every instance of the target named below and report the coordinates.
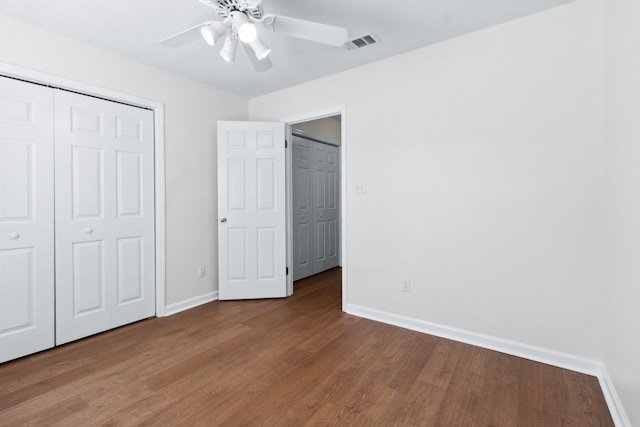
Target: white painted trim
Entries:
(161, 248)
(616, 409)
(288, 170)
(33, 76)
(343, 206)
(177, 307)
(328, 112)
(315, 115)
(539, 354)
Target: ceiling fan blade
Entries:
(260, 65)
(184, 37)
(307, 30)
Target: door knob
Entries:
(88, 230)
(14, 236)
(223, 219)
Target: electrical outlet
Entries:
(406, 285)
(202, 271)
(361, 188)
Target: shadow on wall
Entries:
(327, 128)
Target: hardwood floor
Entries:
(290, 362)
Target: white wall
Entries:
(622, 325)
(326, 128)
(482, 158)
(191, 111)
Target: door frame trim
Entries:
(42, 78)
(305, 117)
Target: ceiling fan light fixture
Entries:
(228, 52)
(208, 35)
(247, 32)
(212, 32)
(260, 48)
(237, 22)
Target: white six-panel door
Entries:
(26, 219)
(251, 210)
(104, 215)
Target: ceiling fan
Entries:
(237, 23)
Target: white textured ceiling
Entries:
(133, 27)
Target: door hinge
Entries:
(287, 271)
(285, 143)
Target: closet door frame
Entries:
(9, 70)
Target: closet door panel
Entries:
(302, 209)
(319, 200)
(332, 211)
(83, 305)
(316, 197)
(16, 303)
(26, 219)
(326, 203)
(87, 279)
(87, 182)
(130, 270)
(132, 227)
(105, 215)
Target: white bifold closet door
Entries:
(316, 197)
(26, 219)
(104, 208)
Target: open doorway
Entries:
(316, 195)
(315, 149)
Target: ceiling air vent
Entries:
(362, 41)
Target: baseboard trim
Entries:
(177, 307)
(538, 354)
(618, 414)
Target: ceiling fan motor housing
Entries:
(224, 8)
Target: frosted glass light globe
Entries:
(247, 33)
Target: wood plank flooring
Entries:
(298, 361)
